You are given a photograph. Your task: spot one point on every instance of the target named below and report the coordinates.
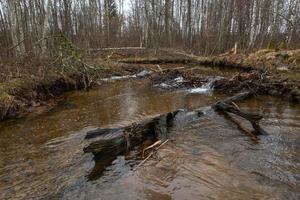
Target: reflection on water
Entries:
(212, 159)
(41, 155)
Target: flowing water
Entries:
(41, 156)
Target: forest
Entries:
(202, 27)
(149, 99)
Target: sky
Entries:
(126, 5)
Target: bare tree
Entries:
(201, 26)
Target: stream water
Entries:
(41, 155)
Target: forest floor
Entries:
(24, 85)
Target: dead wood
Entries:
(159, 61)
(151, 154)
(227, 106)
(116, 141)
(238, 97)
(151, 147)
(118, 48)
(108, 143)
(240, 126)
(260, 83)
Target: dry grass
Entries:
(265, 59)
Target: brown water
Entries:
(41, 155)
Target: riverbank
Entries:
(25, 85)
(33, 87)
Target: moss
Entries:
(6, 101)
(3, 94)
(295, 58)
(12, 85)
(271, 45)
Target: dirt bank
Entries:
(33, 86)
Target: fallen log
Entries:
(240, 126)
(112, 143)
(116, 141)
(228, 106)
(118, 48)
(238, 97)
(100, 131)
(108, 143)
(156, 61)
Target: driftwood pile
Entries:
(259, 83)
(175, 79)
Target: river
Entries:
(41, 155)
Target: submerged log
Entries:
(112, 143)
(240, 126)
(107, 143)
(116, 141)
(228, 106)
(238, 97)
(100, 131)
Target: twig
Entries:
(165, 142)
(151, 154)
(235, 105)
(151, 146)
(159, 68)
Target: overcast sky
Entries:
(126, 4)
